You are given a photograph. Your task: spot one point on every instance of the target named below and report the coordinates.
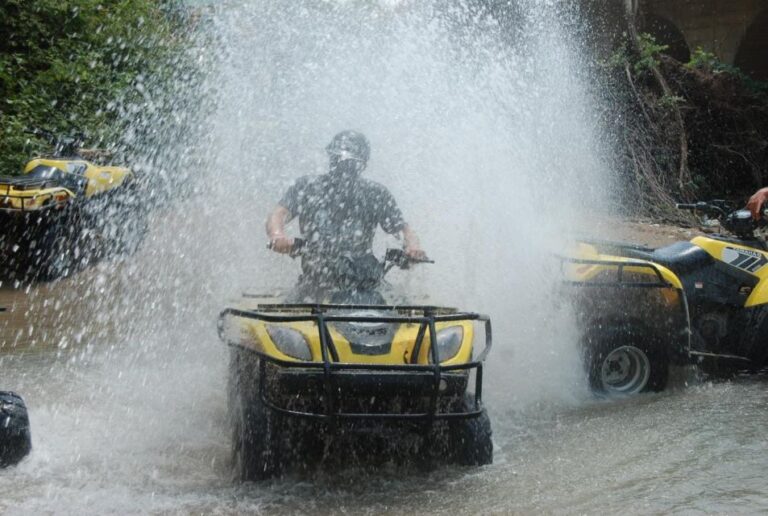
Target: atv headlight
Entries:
(290, 341)
(448, 342)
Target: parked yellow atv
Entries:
(347, 382)
(703, 301)
(64, 211)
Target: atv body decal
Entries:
(745, 259)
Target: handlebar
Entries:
(63, 145)
(717, 208)
(296, 250)
(401, 259)
(738, 222)
(394, 256)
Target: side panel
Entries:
(746, 266)
(101, 179)
(602, 268)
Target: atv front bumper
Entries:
(302, 382)
(370, 393)
(333, 390)
(367, 394)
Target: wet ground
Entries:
(138, 438)
(128, 421)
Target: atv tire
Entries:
(254, 451)
(471, 439)
(15, 438)
(55, 258)
(753, 342)
(625, 360)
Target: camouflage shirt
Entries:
(336, 220)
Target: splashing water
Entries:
(482, 127)
(479, 125)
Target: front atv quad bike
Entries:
(338, 382)
(632, 317)
(64, 211)
(15, 438)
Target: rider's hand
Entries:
(415, 253)
(757, 202)
(281, 244)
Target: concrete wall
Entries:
(717, 26)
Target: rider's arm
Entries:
(392, 222)
(411, 244)
(756, 203)
(276, 221)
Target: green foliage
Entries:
(709, 62)
(703, 60)
(619, 57)
(71, 65)
(646, 57)
(649, 52)
(670, 101)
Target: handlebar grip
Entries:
(298, 247)
(296, 250)
(682, 206)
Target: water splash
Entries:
(480, 124)
(482, 127)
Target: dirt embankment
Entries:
(647, 233)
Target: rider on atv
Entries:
(338, 213)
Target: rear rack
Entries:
(621, 280)
(331, 367)
(30, 183)
(25, 183)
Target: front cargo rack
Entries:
(331, 368)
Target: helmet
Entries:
(349, 145)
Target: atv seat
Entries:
(680, 257)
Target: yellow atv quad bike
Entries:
(355, 380)
(708, 303)
(64, 211)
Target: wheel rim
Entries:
(625, 370)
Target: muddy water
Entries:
(140, 428)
